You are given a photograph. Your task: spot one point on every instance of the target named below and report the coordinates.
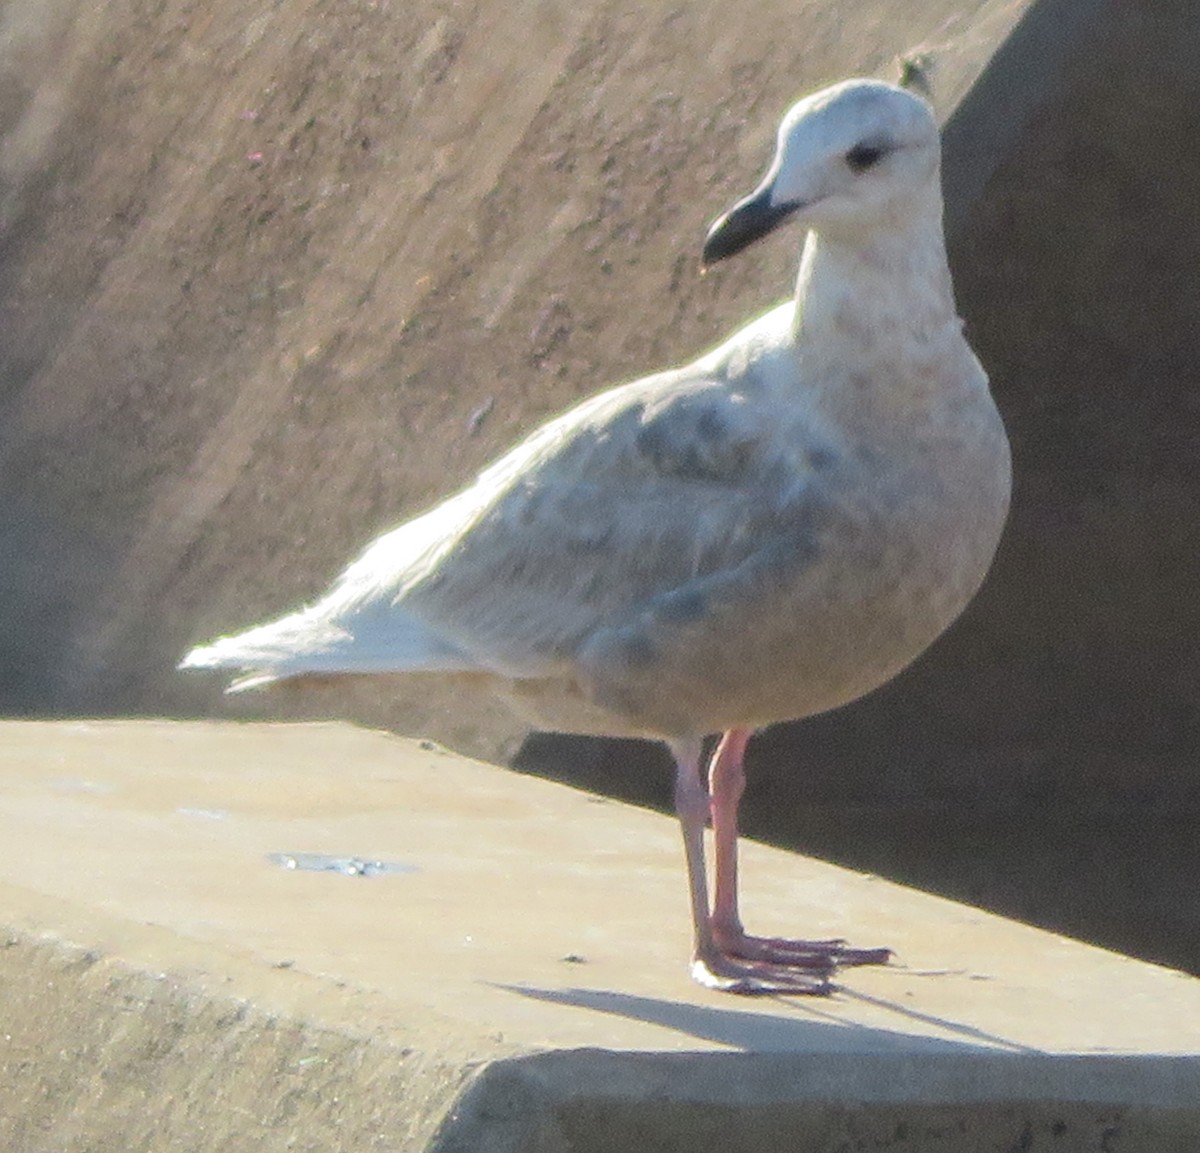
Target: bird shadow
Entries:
(801, 1025)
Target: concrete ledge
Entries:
(587, 1101)
(516, 983)
(98, 1055)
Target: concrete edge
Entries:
(591, 1101)
(97, 1054)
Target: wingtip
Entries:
(201, 657)
(190, 661)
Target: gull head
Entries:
(849, 159)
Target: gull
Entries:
(764, 534)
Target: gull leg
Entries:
(712, 967)
(727, 782)
(691, 805)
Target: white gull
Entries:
(766, 533)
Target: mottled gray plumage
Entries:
(764, 534)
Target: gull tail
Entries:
(309, 642)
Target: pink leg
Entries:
(691, 806)
(712, 966)
(727, 782)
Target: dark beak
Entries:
(743, 224)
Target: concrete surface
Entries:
(517, 982)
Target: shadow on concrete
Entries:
(801, 1026)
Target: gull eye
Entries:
(863, 156)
